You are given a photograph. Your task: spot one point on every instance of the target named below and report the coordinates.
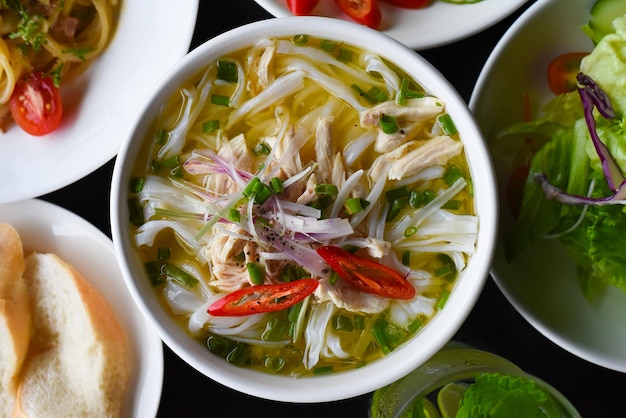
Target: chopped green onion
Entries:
(377, 94)
(447, 124)
(262, 149)
(410, 94)
(414, 325)
(275, 329)
(415, 199)
(220, 100)
(333, 278)
(322, 370)
(164, 253)
(274, 363)
(211, 125)
(135, 211)
(276, 185)
(300, 39)
(234, 215)
(239, 355)
(453, 174)
(250, 187)
(345, 55)
(326, 189)
(154, 273)
(406, 258)
(179, 275)
(388, 124)
(452, 204)
(162, 137)
(443, 299)
(353, 205)
(136, 184)
(262, 194)
(171, 163)
(397, 193)
(219, 345)
(342, 323)
(444, 270)
(293, 272)
(404, 86)
(359, 322)
(410, 231)
(256, 273)
(227, 71)
(327, 45)
(394, 209)
(429, 195)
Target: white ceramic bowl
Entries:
(541, 284)
(406, 357)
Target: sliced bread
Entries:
(76, 364)
(15, 316)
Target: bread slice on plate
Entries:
(15, 315)
(76, 362)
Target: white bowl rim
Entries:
(346, 384)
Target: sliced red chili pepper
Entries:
(366, 274)
(301, 7)
(365, 12)
(408, 4)
(263, 298)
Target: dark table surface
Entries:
(493, 325)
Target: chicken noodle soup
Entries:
(302, 206)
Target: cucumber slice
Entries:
(603, 12)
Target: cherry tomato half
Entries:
(301, 7)
(562, 72)
(366, 274)
(263, 298)
(365, 12)
(408, 4)
(36, 104)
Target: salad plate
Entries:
(541, 282)
(438, 24)
(45, 227)
(150, 37)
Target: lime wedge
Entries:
(449, 398)
(430, 411)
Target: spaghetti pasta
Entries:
(60, 38)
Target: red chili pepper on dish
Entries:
(408, 4)
(301, 7)
(263, 298)
(367, 274)
(365, 12)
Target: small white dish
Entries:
(100, 104)
(541, 283)
(438, 24)
(45, 227)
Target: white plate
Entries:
(99, 106)
(541, 284)
(45, 227)
(438, 24)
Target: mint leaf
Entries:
(495, 395)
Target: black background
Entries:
(493, 324)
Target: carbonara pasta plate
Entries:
(99, 103)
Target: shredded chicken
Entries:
(410, 120)
(259, 66)
(350, 298)
(414, 156)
